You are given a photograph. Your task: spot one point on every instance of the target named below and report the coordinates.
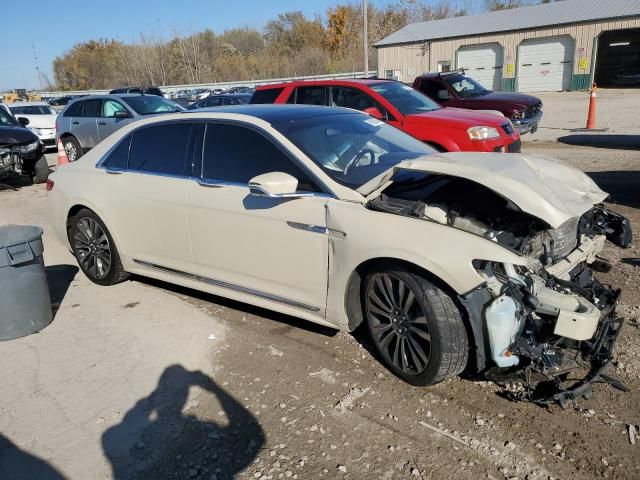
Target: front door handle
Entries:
(114, 172)
(209, 183)
(76, 123)
(101, 123)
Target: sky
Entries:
(54, 27)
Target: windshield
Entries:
(150, 104)
(352, 148)
(33, 110)
(407, 100)
(6, 120)
(465, 86)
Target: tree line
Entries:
(290, 45)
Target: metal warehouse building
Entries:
(565, 45)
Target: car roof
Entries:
(337, 81)
(29, 104)
(232, 95)
(277, 113)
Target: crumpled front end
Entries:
(549, 317)
(553, 318)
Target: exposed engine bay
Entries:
(541, 321)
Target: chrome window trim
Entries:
(211, 182)
(229, 286)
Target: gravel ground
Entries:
(260, 395)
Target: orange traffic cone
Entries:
(62, 155)
(591, 116)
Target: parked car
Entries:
(336, 217)
(221, 100)
(87, 121)
(62, 101)
(42, 120)
(21, 152)
(144, 90)
(446, 129)
(455, 89)
(241, 90)
(198, 94)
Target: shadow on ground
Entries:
(14, 183)
(622, 142)
(17, 464)
(156, 437)
(59, 278)
(621, 185)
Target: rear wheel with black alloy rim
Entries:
(415, 326)
(95, 250)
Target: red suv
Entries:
(446, 129)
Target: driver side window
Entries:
(110, 107)
(237, 154)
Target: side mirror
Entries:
(444, 95)
(375, 113)
(122, 114)
(275, 185)
(23, 121)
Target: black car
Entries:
(21, 152)
(62, 101)
(221, 100)
(143, 90)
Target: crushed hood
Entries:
(538, 185)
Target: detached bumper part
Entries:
(579, 325)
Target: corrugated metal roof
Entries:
(556, 13)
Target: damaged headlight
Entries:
(483, 133)
(30, 147)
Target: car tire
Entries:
(95, 249)
(416, 328)
(72, 148)
(41, 170)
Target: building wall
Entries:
(414, 59)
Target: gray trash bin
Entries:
(25, 305)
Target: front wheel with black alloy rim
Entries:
(72, 148)
(95, 250)
(415, 326)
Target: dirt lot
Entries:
(147, 380)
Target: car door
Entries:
(272, 248)
(146, 179)
(108, 123)
(85, 126)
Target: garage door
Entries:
(545, 64)
(483, 63)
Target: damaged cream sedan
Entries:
(452, 261)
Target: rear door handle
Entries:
(76, 123)
(101, 123)
(114, 172)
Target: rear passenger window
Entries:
(268, 95)
(311, 95)
(92, 108)
(160, 149)
(120, 156)
(237, 154)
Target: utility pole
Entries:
(364, 38)
(35, 58)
